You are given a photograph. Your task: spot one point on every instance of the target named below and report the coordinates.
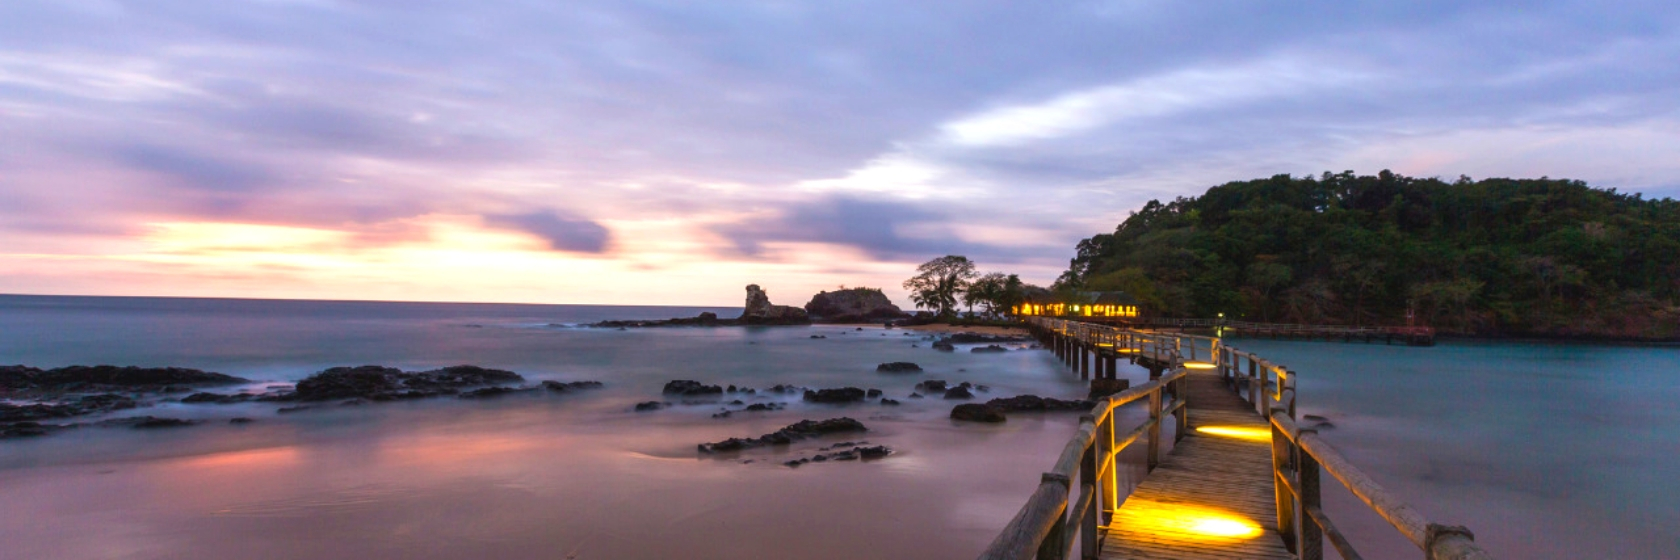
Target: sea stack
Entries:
(759, 311)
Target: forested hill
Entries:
(1520, 257)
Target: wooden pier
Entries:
(1411, 336)
(1241, 480)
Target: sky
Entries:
(669, 153)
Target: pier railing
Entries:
(1047, 528)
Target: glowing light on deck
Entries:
(1199, 365)
(1238, 432)
(1181, 522)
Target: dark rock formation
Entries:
(854, 305)
(90, 404)
(898, 367)
(944, 346)
(214, 398)
(988, 349)
(378, 383)
(841, 395)
(804, 429)
(150, 422)
(1021, 403)
(88, 379)
(649, 406)
(759, 311)
(958, 393)
(977, 338)
(889, 402)
(872, 393)
(560, 387)
(932, 386)
(1104, 387)
(494, 392)
(973, 412)
(688, 388)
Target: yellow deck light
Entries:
(1199, 365)
(1186, 523)
(1247, 433)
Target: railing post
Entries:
(1154, 428)
(1054, 546)
(1094, 486)
(1280, 488)
(1253, 391)
(1182, 394)
(1306, 477)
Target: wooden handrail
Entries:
(1299, 453)
(1047, 528)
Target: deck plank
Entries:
(1210, 498)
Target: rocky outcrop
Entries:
(76, 407)
(853, 305)
(759, 310)
(691, 388)
(1104, 387)
(804, 429)
(379, 383)
(994, 410)
(973, 412)
(90, 379)
(841, 395)
(898, 367)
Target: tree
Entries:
(937, 283)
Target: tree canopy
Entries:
(1496, 256)
(938, 282)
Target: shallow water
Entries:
(1544, 450)
(524, 476)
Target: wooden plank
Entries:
(1211, 497)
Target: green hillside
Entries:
(1526, 257)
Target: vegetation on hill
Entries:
(1530, 257)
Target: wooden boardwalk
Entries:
(1211, 497)
(1235, 485)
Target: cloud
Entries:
(1005, 131)
(563, 232)
(885, 230)
(192, 170)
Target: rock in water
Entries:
(990, 348)
(759, 311)
(977, 413)
(898, 367)
(958, 393)
(804, 429)
(689, 387)
(379, 383)
(1104, 387)
(841, 395)
(854, 305)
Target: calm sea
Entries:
(1545, 450)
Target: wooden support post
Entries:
(1253, 389)
(1113, 368)
(1154, 428)
(1111, 482)
(1054, 545)
(1084, 360)
(1280, 488)
(1306, 473)
(1090, 485)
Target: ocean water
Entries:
(1544, 450)
(524, 476)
